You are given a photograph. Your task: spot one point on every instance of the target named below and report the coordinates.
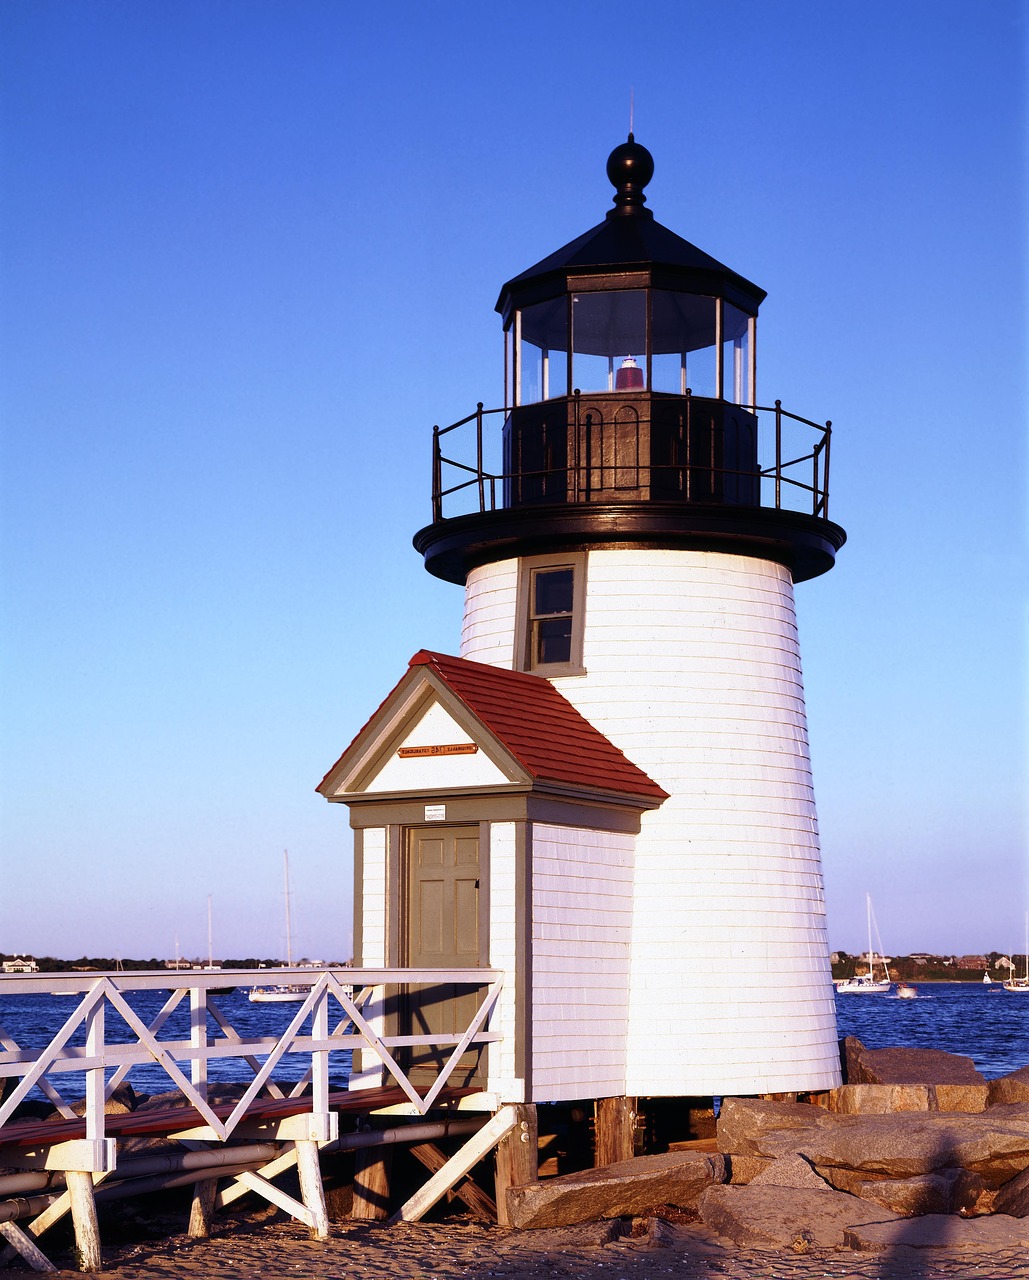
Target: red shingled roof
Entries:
(539, 726)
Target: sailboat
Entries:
(282, 993)
(867, 983)
(1020, 986)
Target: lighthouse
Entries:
(610, 783)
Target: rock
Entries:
(655, 1233)
(555, 1240)
(783, 1218)
(960, 1097)
(1014, 1087)
(884, 1099)
(948, 1191)
(938, 1231)
(851, 1050)
(626, 1189)
(744, 1169)
(993, 1144)
(754, 1127)
(120, 1103)
(1013, 1197)
(790, 1171)
(905, 1145)
(911, 1066)
(878, 1099)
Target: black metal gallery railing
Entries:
(631, 448)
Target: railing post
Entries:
(688, 487)
(198, 1038)
(95, 1099)
(320, 1057)
(581, 481)
(825, 470)
(478, 455)
(778, 455)
(437, 478)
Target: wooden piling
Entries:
(312, 1191)
(615, 1129)
(517, 1158)
(372, 1166)
(83, 1216)
(201, 1210)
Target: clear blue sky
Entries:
(250, 251)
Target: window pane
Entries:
(736, 355)
(554, 592)
(683, 336)
(554, 640)
(544, 352)
(607, 328)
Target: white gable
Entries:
(435, 731)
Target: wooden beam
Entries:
(479, 1145)
(23, 1244)
(517, 1158)
(470, 1192)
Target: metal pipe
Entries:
(175, 1169)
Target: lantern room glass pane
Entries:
(543, 351)
(736, 355)
(683, 333)
(609, 339)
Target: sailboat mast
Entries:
(210, 936)
(868, 912)
(289, 917)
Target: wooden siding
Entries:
(693, 670)
(503, 950)
(581, 937)
(367, 1074)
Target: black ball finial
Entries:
(629, 168)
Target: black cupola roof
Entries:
(630, 240)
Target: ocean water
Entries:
(992, 1028)
(32, 1021)
(987, 1025)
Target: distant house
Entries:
(972, 962)
(922, 957)
(178, 964)
(21, 964)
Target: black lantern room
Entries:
(631, 415)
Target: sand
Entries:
(261, 1249)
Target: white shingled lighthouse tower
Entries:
(629, 530)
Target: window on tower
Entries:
(551, 604)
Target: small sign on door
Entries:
(435, 813)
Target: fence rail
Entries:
(340, 1012)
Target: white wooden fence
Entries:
(336, 1011)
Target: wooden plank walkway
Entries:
(30, 1133)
